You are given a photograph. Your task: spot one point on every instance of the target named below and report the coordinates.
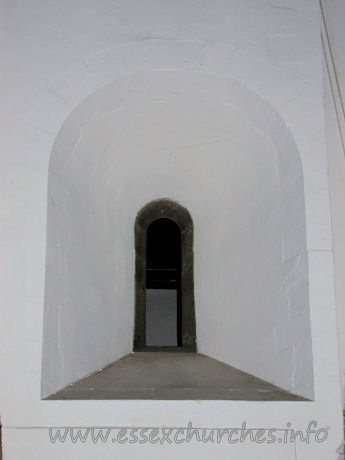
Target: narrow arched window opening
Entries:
(163, 284)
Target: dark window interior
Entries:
(163, 264)
(163, 255)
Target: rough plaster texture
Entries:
(333, 36)
(199, 140)
(57, 54)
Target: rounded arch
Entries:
(195, 139)
(165, 209)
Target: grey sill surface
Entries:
(172, 376)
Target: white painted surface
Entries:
(334, 37)
(157, 135)
(56, 55)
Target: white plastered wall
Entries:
(227, 156)
(59, 53)
(333, 36)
